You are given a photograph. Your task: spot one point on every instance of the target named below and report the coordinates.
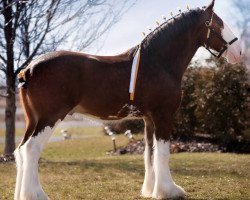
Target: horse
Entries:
(63, 82)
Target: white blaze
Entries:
(233, 53)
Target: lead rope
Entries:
(134, 73)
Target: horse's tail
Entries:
(28, 110)
(23, 77)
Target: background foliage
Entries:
(215, 104)
(215, 101)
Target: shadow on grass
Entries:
(137, 167)
(211, 172)
(100, 166)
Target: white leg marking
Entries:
(148, 184)
(164, 185)
(19, 164)
(31, 151)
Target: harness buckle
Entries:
(207, 23)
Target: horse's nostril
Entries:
(240, 52)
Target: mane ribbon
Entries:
(134, 73)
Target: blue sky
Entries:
(127, 32)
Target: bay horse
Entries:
(65, 82)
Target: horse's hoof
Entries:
(147, 189)
(146, 193)
(176, 192)
(173, 192)
(34, 195)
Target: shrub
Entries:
(224, 104)
(214, 101)
(121, 126)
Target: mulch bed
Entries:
(137, 147)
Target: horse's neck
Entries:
(183, 54)
(175, 56)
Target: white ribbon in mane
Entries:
(134, 72)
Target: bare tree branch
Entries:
(52, 34)
(3, 59)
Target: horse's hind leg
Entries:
(30, 128)
(45, 106)
(19, 162)
(148, 184)
(31, 151)
(19, 166)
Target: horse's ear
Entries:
(210, 7)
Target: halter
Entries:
(212, 31)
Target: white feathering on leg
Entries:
(19, 166)
(164, 185)
(31, 151)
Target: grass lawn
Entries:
(19, 132)
(80, 169)
(93, 131)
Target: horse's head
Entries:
(220, 38)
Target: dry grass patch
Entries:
(19, 132)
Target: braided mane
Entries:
(170, 30)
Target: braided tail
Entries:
(23, 78)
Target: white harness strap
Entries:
(134, 72)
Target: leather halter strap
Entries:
(210, 32)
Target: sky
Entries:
(128, 31)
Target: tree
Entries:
(31, 28)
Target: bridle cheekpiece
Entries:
(208, 41)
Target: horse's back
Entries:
(69, 56)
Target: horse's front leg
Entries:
(164, 186)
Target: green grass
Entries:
(92, 131)
(80, 169)
(1, 149)
(86, 131)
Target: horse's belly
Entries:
(105, 113)
(100, 113)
